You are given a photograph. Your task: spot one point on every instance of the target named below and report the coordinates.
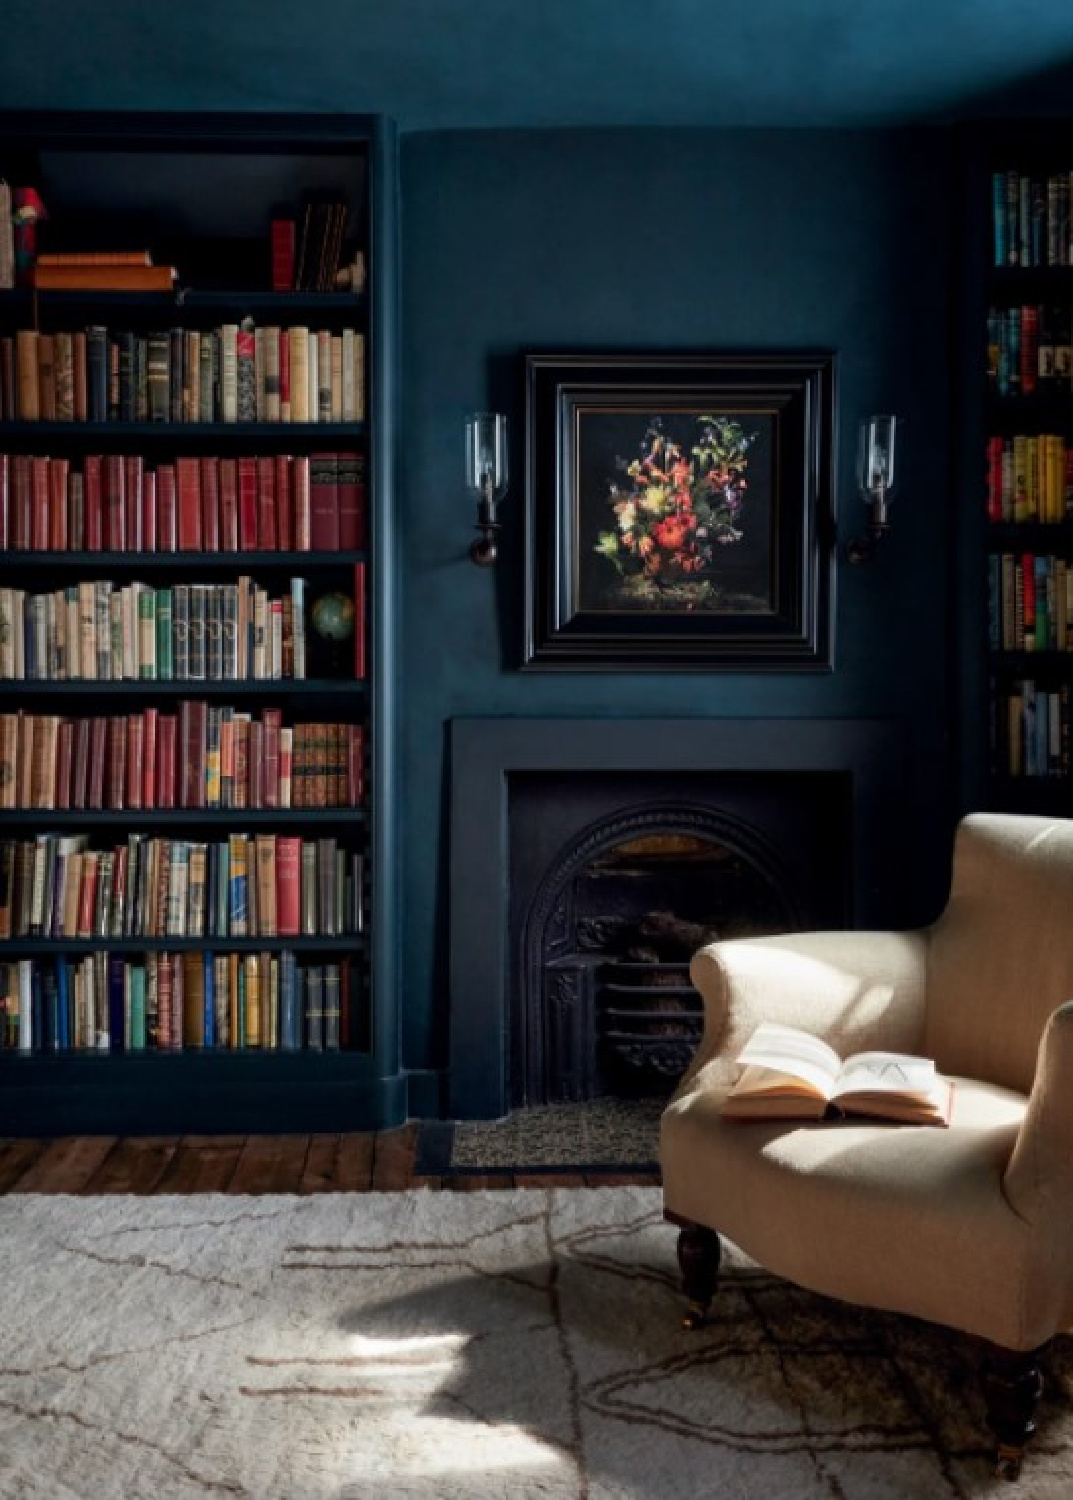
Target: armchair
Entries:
(971, 1226)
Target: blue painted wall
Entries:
(665, 239)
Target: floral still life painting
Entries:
(690, 517)
(680, 511)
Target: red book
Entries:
(149, 772)
(355, 765)
(188, 487)
(166, 506)
(5, 500)
(92, 500)
(87, 896)
(39, 498)
(302, 519)
(359, 621)
(135, 759)
(288, 885)
(21, 500)
(210, 504)
(267, 531)
(247, 504)
(284, 502)
(58, 471)
(228, 505)
(64, 762)
(116, 762)
(351, 491)
(98, 744)
(283, 241)
(80, 765)
(324, 502)
(193, 722)
(115, 504)
(149, 510)
(134, 486)
(165, 760)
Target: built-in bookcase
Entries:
(196, 901)
(1022, 467)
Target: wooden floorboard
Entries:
(354, 1163)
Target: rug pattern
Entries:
(451, 1346)
(600, 1134)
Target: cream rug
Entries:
(478, 1346)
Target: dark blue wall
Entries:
(619, 240)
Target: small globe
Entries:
(333, 617)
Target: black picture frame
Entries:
(680, 511)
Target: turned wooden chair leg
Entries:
(1012, 1383)
(698, 1257)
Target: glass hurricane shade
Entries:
(875, 456)
(486, 455)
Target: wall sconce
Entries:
(876, 441)
(486, 476)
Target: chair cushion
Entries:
(908, 1218)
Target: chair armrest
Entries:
(1037, 1179)
(855, 989)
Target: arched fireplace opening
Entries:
(613, 889)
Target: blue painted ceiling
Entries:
(446, 64)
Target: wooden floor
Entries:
(382, 1162)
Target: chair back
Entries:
(1001, 954)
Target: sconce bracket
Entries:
(484, 549)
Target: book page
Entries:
(885, 1073)
(788, 1051)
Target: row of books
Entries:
(238, 372)
(260, 885)
(204, 756)
(189, 632)
(1029, 478)
(1030, 219)
(1030, 602)
(116, 502)
(1030, 729)
(169, 1002)
(1029, 349)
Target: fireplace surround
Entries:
(494, 760)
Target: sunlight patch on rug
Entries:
(468, 1346)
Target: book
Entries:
(789, 1073)
(101, 278)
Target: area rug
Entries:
(620, 1135)
(447, 1346)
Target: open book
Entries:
(787, 1072)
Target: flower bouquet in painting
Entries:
(677, 507)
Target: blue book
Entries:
(209, 1027)
(62, 1004)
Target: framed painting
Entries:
(680, 512)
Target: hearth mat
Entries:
(619, 1135)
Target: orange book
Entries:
(95, 258)
(104, 278)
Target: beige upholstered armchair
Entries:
(971, 1226)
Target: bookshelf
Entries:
(1021, 433)
(197, 898)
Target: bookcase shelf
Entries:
(182, 817)
(1020, 344)
(266, 687)
(205, 193)
(43, 947)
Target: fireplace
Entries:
(615, 879)
(751, 825)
